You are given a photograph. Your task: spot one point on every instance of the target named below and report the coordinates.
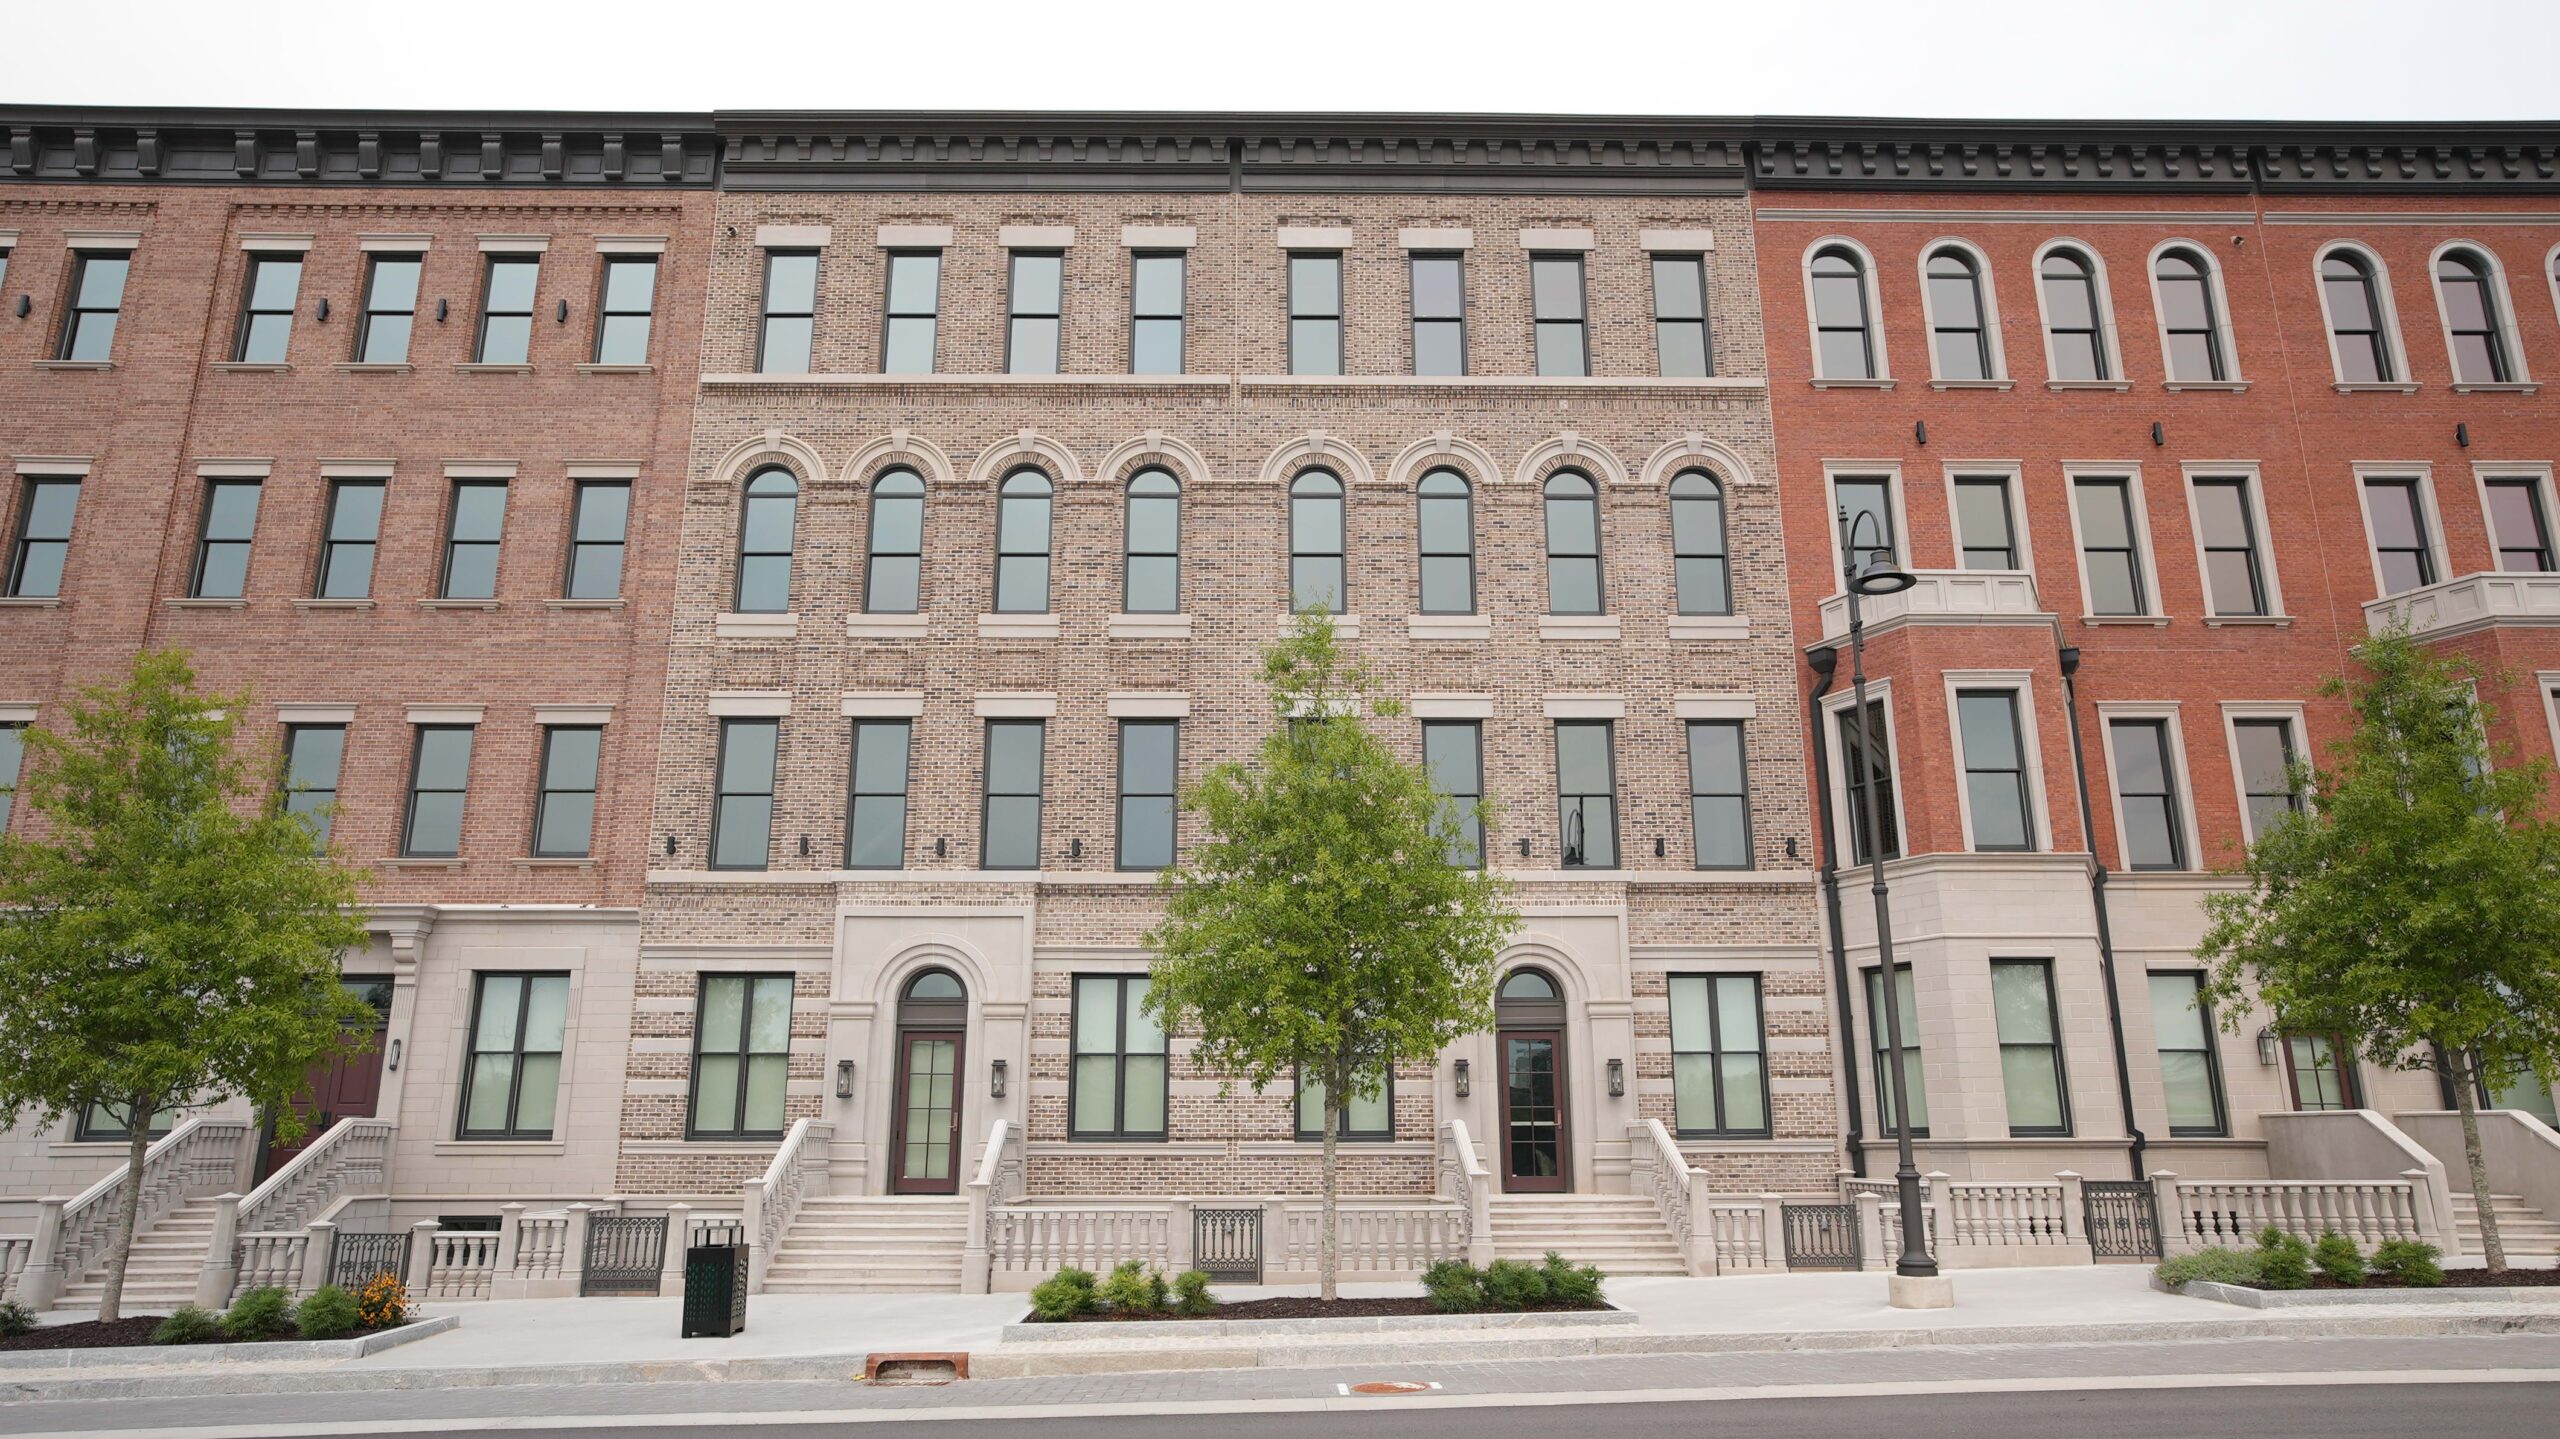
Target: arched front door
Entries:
(1537, 1153)
(933, 1019)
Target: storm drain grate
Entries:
(1387, 1386)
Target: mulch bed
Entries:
(87, 1334)
(2463, 1279)
(1301, 1307)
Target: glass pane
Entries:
(1582, 759)
(1982, 516)
(546, 1019)
(2232, 582)
(2175, 1017)
(1315, 518)
(2075, 357)
(394, 289)
(1560, 349)
(2103, 519)
(604, 512)
(2022, 1003)
(1447, 525)
(909, 349)
(879, 832)
(1097, 1017)
(915, 284)
(893, 585)
(231, 512)
(2182, 303)
(769, 1021)
(2112, 590)
(1155, 285)
(2350, 298)
(1439, 347)
(1720, 832)
(766, 1077)
(511, 284)
(1370, 1110)
(1680, 347)
(1960, 355)
(1844, 354)
(317, 751)
(492, 1078)
(1032, 347)
(2141, 768)
(275, 284)
(724, 1009)
(1022, 519)
(1715, 758)
(568, 824)
(1155, 524)
(2466, 303)
(791, 284)
(746, 757)
(1438, 288)
(880, 758)
(1990, 725)
(225, 571)
(1315, 583)
(1145, 1035)
(1556, 288)
(1953, 302)
(1022, 584)
(623, 340)
(2186, 1081)
(1315, 347)
(1449, 753)
(1146, 832)
(2191, 357)
(501, 1003)
(1704, 586)
(2221, 514)
(1097, 1093)
(471, 572)
(1154, 584)
(1315, 285)
(1677, 290)
(1013, 832)
(771, 519)
(1146, 758)
(1036, 280)
(504, 338)
(2035, 1101)
(355, 512)
(538, 1094)
(1999, 815)
(1737, 1014)
(479, 511)
(2475, 360)
(715, 1099)
(745, 829)
(1013, 757)
(897, 524)
(1746, 1105)
(764, 584)
(1839, 302)
(1691, 1026)
(1448, 585)
(2264, 757)
(1573, 522)
(444, 757)
(2150, 833)
(1143, 1110)
(569, 758)
(386, 339)
(630, 286)
(2069, 300)
(1156, 347)
(262, 341)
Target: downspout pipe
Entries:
(2069, 655)
(1825, 661)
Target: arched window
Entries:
(2071, 317)
(766, 523)
(1844, 346)
(892, 585)
(1959, 336)
(2474, 322)
(1699, 572)
(1152, 579)
(1573, 544)
(928, 991)
(1447, 526)
(2190, 325)
(1022, 543)
(1315, 543)
(2355, 320)
(1528, 997)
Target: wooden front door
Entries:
(1536, 1158)
(345, 1084)
(927, 1130)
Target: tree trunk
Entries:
(2466, 1073)
(137, 1144)
(1328, 1246)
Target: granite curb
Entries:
(1211, 1330)
(160, 1357)
(2249, 1298)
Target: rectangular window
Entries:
(1031, 313)
(1117, 1085)
(625, 303)
(564, 815)
(2266, 753)
(1155, 313)
(1995, 769)
(1719, 795)
(97, 301)
(439, 772)
(479, 518)
(222, 540)
(1556, 302)
(598, 527)
(390, 310)
(2030, 1029)
(914, 303)
(1586, 794)
(313, 756)
(1315, 314)
(1907, 1010)
(1148, 750)
(2155, 836)
(876, 813)
(1986, 530)
(104, 1122)
(36, 557)
(2323, 1072)
(741, 1057)
(1009, 833)
(2190, 1068)
(2518, 526)
(1858, 768)
(1719, 1057)
(346, 551)
(506, 309)
(788, 331)
(2107, 548)
(267, 297)
(13, 745)
(511, 1084)
(2234, 571)
(2402, 549)
(742, 811)
(1370, 1118)
(1680, 343)
(1453, 755)
(1439, 314)
(1863, 507)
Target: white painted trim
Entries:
(2424, 472)
(1023, 447)
(2503, 311)
(601, 470)
(480, 469)
(2547, 681)
(1835, 470)
(2020, 685)
(1035, 237)
(749, 703)
(631, 244)
(898, 446)
(1189, 466)
(1312, 237)
(395, 244)
(2131, 473)
(14, 713)
(2012, 476)
(2384, 300)
(883, 704)
(1875, 310)
(2287, 710)
(515, 244)
(127, 240)
(1317, 449)
(1436, 237)
(291, 713)
(234, 469)
(1880, 692)
(2551, 275)
(1159, 237)
(258, 242)
(1147, 704)
(1735, 706)
(1676, 242)
(1016, 704)
(573, 714)
(2537, 471)
(2254, 493)
(2181, 778)
(1558, 239)
(1990, 298)
(1696, 451)
(2110, 350)
(2221, 297)
(1585, 706)
(1576, 450)
(1451, 706)
(355, 469)
(55, 467)
(794, 237)
(447, 714)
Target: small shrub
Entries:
(190, 1325)
(328, 1312)
(1191, 1296)
(1067, 1294)
(2336, 1257)
(15, 1319)
(383, 1303)
(2284, 1261)
(259, 1314)
(2410, 1262)
(1133, 1288)
(1571, 1286)
(2216, 1266)
(1511, 1286)
(1454, 1286)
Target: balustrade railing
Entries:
(2231, 1212)
(1466, 1182)
(542, 1246)
(1370, 1238)
(1039, 1240)
(460, 1264)
(1678, 1191)
(2029, 1214)
(771, 1202)
(276, 1260)
(199, 1157)
(1743, 1242)
(351, 1159)
(13, 1260)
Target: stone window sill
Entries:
(374, 367)
(321, 604)
(756, 626)
(884, 627)
(1448, 629)
(2377, 387)
(1018, 627)
(617, 369)
(2513, 387)
(201, 602)
(2266, 621)
(1578, 627)
(1973, 384)
(2228, 387)
(2124, 619)
(1710, 627)
(582, 604)
(2117, 386)
(479, 368)
(75, 364)
(442, 603)
(420, 861)
(1345, 627)
(251, 367)
(1824, 384)
(1150, 627)
(31, 602)
(576, 862)
(499, 1146)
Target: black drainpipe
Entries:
(2070, 658)
(1826, 661)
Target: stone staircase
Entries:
(893, 1243)
(161, 1276)
(2524, 1230)
(1621, 1233)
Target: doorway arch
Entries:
(1529, 1030)
(924, 1141)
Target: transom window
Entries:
(2473, 319)
(876, 812)
(1573, 545)
(913, 312)
(45, 508)
(2234, 577)
(1315, 543)
(2073, 317)
(390, 310)
(1701, 571)
(1960, 336)
(1843, 340)
(1315, 314)
(1719, 1057)
(893, 582)
(768, 522)
(1681, 344)
(1032, 310)
(790, 312)
(1556, 300)
(267, 298)
(1995, 769)
(222, 541)
(742, 807)
(1586, 795)
(1152, 573)
(1118, 1081)
(1155, 313)
(97, 301)
(1446, 531)
(564, 813)
(1986, 531)
(2190, 325)
(1439, 314)
(2518, 525)
(1022, 543)
(2356, 334)
(511, 1082)
(2403, 549)
(741, 1057)
(506, 309)
(354, 529)
(2155, 836)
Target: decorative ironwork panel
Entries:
(1821, 1236)
(2123, 1218)
(356, 1257)
(1227, 1244)
(625, 1253)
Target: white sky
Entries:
(2201, 59)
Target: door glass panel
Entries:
(1532, 1116)
(931, 1069)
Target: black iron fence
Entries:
(626, 1253)
(356, 1258)
(1821, 1236)
(1227, 1244)
(2123, 1218)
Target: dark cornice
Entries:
(345, 147)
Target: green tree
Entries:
(172, 937)
(1332, 924)
(2415, 904)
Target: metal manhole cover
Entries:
(1390, 1386)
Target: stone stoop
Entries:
(167, 1259)
(876, 1244)
(2526, 1231)
(1621, 1233)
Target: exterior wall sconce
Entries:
(1464, 1087)
(844, 1079)
(440, 311)
(323, 312)
(2267, 1047)
(564, 314)
(393, 1059)
(995, 1080)
(1075, 849)
(941, 847)
(1617, 1078)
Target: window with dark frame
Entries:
(742, 806)
(511, 1077)
(1867, 497)
(1149, 763)
(507, 290)
(741, 1057)
(268, 293)
(2266, 754)
(1315, 313)
(912, 316)
(2189, 319)
(1843, 336)
(1366, 1118)
(2190, 1065)
(1959, 330)
(1701, 565)
(1023, 518)
(1009, 825)
(439, 776)
(1151, 544)
(1034, 297)
(2518, 525)
(1573, 545)
(1858, 768)
(390, 309)
(1986, 529)
(1906, 1007)
(221, 570)
(2155, 832)
(1586, 795)
(1118, 1079)
(2234, 574)
(347, 548)
(1682, 346)
(875, 828)
(13, 749)
(2108, 546)
(2356, 335)
(564, 809)
(599, 527)
(1315, 543)
(1995, 769)
(1439, 284)
(1560, 314)
(105, 1123)
(1156, 303)
(2073, 323)
(893, 582)
(46, 506)
(786, 333)
(2402, 546)
(768, 529)
(2029, 1025)
(2473, 320)
(1453, 757)
(626, 303)
(473, 528)
(2322, 1071)
(1445, 534)
(1719, 1057)
(1719, 796)
(97, 302)
(314, 754)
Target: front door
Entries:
(346, 1083)
(1535, 1157)
(928, 1113)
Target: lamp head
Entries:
(1880, 576)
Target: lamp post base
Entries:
(1908, 1291)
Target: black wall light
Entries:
(440, 310)
(1075, 849)
(941, 847)
(564, 313)
(2462, 435)
(1657, 846)
(2158, 436)
(1465, 1087)
(804, 846)
(25, 303)
(1920, 431)
(995, 1080)
(322, 311)
(1524, 846)
(671, 844)
(1617, 1078)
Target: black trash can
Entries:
(715, 1290)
